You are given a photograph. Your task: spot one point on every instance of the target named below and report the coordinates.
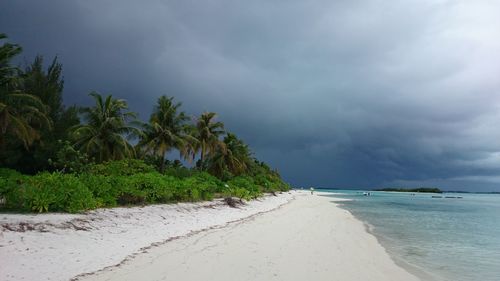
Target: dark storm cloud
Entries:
(333, 93)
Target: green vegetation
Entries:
(421, 189)
(52, 161)
(104, 136)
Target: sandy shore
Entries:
(61, 246)
(309, 239)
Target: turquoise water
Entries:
(446, 239)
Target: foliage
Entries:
(41, 90)
(50, 192)
(420, 189)
(207, 133)
(20, 112)
(179, 172)
(105, 189)
(108, 126)
(123, 182)
(166, 129)
(9, 180)
(8, 72)
(231, 157)
(244, 188)
(47, 85)
(68, 159)
(124, 167)
(202, 186)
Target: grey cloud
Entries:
(332, 93)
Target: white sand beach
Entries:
(61, 246)
(310, 238)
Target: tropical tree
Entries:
(8, 72)
(167, 129)
(108, 127)
(47, 85)
(208, 132)
(20, 113)
(191, 145)
(232, 155)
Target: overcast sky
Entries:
(343, 94)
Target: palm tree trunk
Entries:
(162, 166)
(202, 158)
(2, 141)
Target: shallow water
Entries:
(450, 239)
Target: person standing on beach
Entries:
(312, 190)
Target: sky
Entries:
(334, 94)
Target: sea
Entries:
(437, 239)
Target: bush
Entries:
(9, 179)
(125, 167)
(105, 189)
(68, 159)
(270, 183)
(51, 192)
(149, 188)
(9, 173)
(125, 182)
(9, 185)
(244, 187)
(179, 172)
(195, 190)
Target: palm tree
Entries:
(109, 126)
(191, 143)
(167, 129)
(231, 155)
(20, 113)
(239, 156)
(208, 132)
(8, 72)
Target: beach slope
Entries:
(309, 239)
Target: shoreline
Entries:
(286, 210)
(269, 247)
(414, 269)
(399, 261)
(411, 268)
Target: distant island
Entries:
(420, 189)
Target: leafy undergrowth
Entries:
(122, 183)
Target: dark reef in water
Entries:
(421, 189)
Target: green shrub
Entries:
(9, 173)
(105, 189)
(69, 159)
(9, 180)
(125, 167)
(39, 199)
(51, 192)
(239, 192)
(179, 172)
(149, 187)
(244, 187)
(270, 183)
(202, 186)
(126, 182)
